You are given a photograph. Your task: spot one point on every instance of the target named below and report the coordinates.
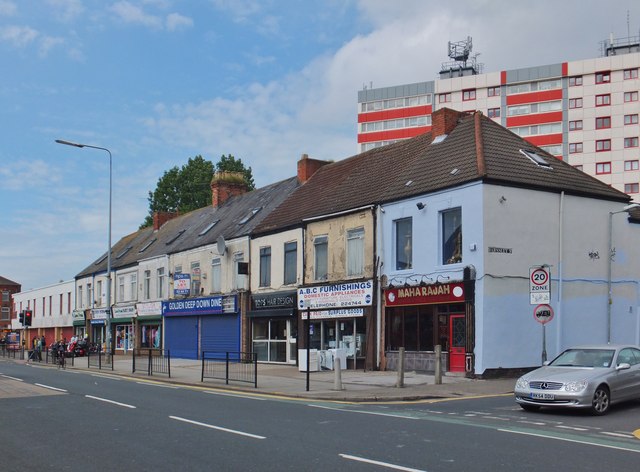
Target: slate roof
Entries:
(479, 148)
(5, 281)
(184, 232)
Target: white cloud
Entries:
(67, 10)
(240, 10)
(130, 13)
(47, 43)
(19, 36)
(7, 8)
(175, 22)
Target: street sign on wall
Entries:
(539, 285)
(543, 313)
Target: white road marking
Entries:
(205, 425)
(153, 384)
(362, 412)
(619, 435)
(537, 423)
(12, 378)
(247, 396)
(110, 401)
(106, 376)
(382, 464)
(51, 388)
(573, 428)
(589, 443)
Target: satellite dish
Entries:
(222, 245)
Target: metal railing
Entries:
(99, 359)
(154, 361)
(12, 351)
(236, 366)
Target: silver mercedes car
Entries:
(591, 377)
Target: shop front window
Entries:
(270, 339)
(452, 236)
(124, 337)
(150, 336)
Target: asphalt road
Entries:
(77, 420)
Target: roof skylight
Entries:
(536, 158)
(146, 246)
(208, 228)
(251, 214)
(175, 237)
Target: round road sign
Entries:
(540, 276)
(543, 313)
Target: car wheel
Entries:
(529, 407)
(601, 400)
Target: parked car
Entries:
(591, 377)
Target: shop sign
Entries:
(149, 309)
(181, 284)
(327, 314)
(97, 322)
(272, 301)
(124, 311)
(425, 295)
(345, 295)
(99, 314)
(77, 314)
(199, 306)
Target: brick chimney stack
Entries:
(307, 167)
(225, 185)
(161, 217)
(444, 120)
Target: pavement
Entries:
(288, 381)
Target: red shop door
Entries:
(457, 338)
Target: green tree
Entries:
(188, 188)
(231, 164)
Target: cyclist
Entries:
(60, 348)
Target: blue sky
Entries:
(160, 81)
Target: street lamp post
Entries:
(79, 145)
(626, 209)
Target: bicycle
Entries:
(61, 359)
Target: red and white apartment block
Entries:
(584, 112)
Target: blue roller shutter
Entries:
(181, 336)
(221, 333)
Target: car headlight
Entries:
(575, 386)
(522, 383)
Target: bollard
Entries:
(438, 375)
(400, 381)
(337, 385)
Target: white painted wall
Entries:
(52, 315)
(528, 223)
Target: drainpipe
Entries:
(379, 264)
(560, 274)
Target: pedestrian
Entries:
(38, 349)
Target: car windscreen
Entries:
(584, 358)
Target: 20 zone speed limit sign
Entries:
(539, 279)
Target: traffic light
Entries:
(28, 314)
(21, 317)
